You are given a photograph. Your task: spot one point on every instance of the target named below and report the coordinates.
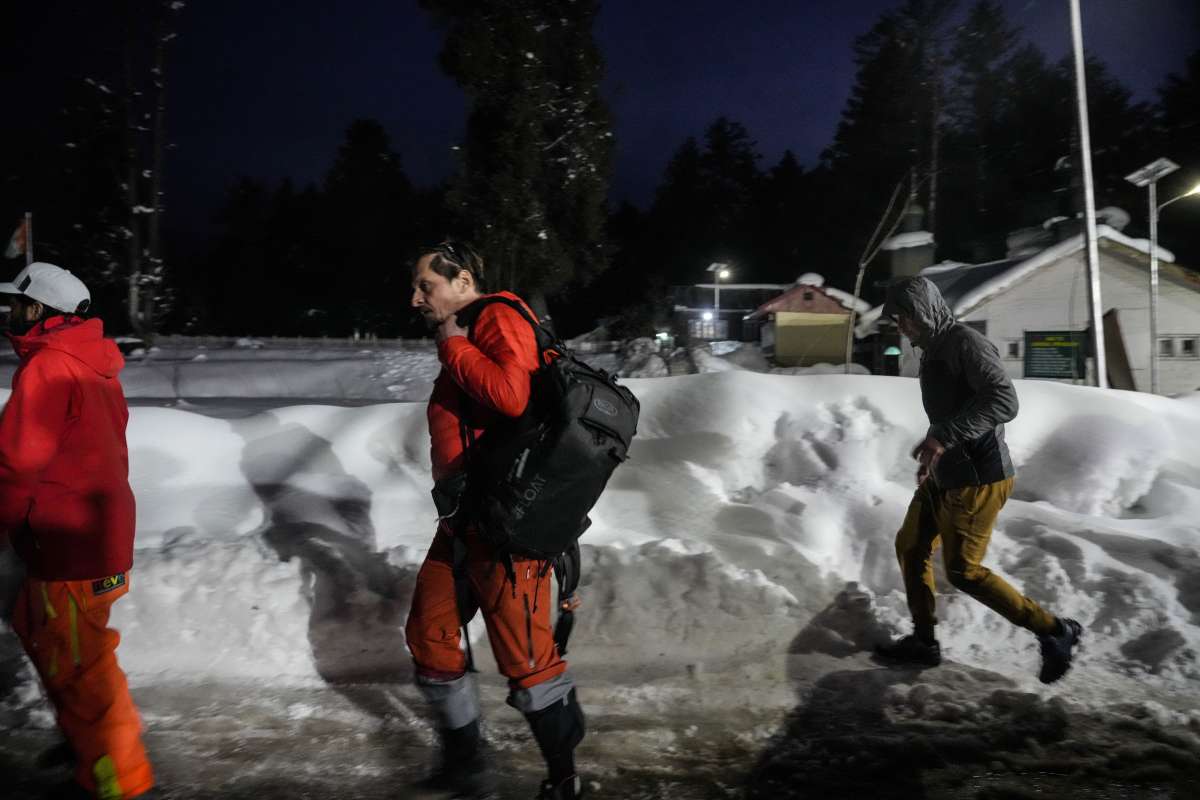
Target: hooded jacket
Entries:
(484, 379)
(966, 392)
(65, 499)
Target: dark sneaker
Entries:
(1057, 650)
(570, 789)
(911, 650)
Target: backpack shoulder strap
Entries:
(470, 315)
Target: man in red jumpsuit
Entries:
(485, 378)
(66, 505)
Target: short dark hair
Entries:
(452, 256)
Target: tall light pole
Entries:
(1089, 200)
(1148, 176)
(720, 271)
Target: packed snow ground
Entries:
(738, 570)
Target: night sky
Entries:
(267, 88)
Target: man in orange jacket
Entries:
(66, 506)
(485, 379)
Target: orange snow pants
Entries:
(517, 614)
(64, 628)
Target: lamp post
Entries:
(1089, 199)
(1149, 176)
(720, 272)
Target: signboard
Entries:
(1056, 354)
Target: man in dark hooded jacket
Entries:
(964, 478)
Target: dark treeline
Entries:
(954, 104)
(948, 99)
(318, 260)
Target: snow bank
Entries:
(251, 371)
(284, 545)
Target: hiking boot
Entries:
(472, 781)
(911, 650)
(60, 755)
(569, 789)
(558, 729)
(465, 771)
(1057, 649)
(67, 790)
(70, 790)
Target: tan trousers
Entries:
(961, 520)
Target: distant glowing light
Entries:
(706, 316)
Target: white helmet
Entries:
(51, 286)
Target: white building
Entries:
(1035, 308)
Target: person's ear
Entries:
(34, 310)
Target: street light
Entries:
(1148, 176)
(720, 272)
(1193, 191)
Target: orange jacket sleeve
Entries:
(494, 369)
(31, 428)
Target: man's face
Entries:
(436, 297)
(908, 326)
(23, 312)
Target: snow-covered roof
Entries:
(902, 241)
(780, 286)
(1005, 278)
(966, 286)
(780, 303)
(848, 300)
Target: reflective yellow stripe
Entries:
(74, 630)
(105, 773)
(50, 612)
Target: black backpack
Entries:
(531, 481)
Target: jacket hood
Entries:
(919, 298)
(82, 339)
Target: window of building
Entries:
(1014, 349)
(979, 325)
(1166, 348)
(1187, 347)
(708, 329)
(808, 295)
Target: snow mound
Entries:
(755, 511)
(1096, 465)
(641, 360)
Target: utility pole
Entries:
(1089, 200)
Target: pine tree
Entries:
(536, 157)
(144, 107)
(892, 123)
(1178, 123)
(974, 166)
(704, 210)
(369, 227)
